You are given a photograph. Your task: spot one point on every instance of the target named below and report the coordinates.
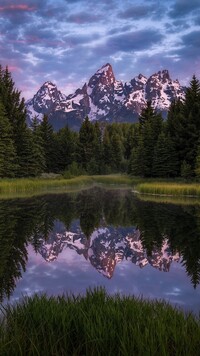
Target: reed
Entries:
(97, 324)
(166, 199)
(33, 185)
(169, 188)
(28, 184)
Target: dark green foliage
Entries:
(38, 159)
(142, 157)
(86, 143)
(186, 170)
(183, 125)
(97, 324)
(165, 159)
(48, 144)
(15, 112)
(150, 148)
(8, 165)
(65, 145)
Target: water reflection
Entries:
(105, 227)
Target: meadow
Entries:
(55, 184)
(169, 188)
(97, 324)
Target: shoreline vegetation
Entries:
(97, 324)
(141, 186)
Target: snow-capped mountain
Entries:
(106, 247)
(104, 98)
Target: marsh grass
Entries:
(30, 186)
(97, 324)
(169, 188)
(176, 200)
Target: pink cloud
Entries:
(20, 7)
(13, 68)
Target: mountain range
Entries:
(104, 98)
(106, 247)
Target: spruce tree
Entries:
(192, 116)
(107, 152)
(146, 114)
(165, 158)
(117, 151)
(65, 145)
(86, 143)
(48, 144)
(15, 112)
(38, 159)
(8, 165)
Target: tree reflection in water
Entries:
(150, 226)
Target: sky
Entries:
(67, 41)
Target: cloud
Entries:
(83, 18)
(133, 41)
(19, 7)
(189, 49)
(137, 12)
(115, 30)
(182, 8)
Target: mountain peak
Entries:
(162, 75)
(49, 84)
(103, 76)
(105, 98)
(106, 67)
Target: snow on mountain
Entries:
(45, 101)
(104, 98)
(106, 247)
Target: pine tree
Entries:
(66, 145)
(192, 116)
(38, 159)
(15, 112)
(8, 165)
(165, 159)
(150, 126)
(146, 114)
(86, 143)
(48, 144)
(197, 163)
(177, 130)
(107, 152)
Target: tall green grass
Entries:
(28, 184)
(97, 324)
(33, 185)
(169, 188)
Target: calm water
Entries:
(98, 237)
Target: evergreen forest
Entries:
(153, 147)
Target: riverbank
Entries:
(97, 324)
(141, 186)
(31, 186)
(169, 188)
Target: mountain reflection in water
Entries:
(106, 247)
(105, 226)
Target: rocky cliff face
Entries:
(104, 98)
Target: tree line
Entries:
(150, 148)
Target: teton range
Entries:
(104, 98)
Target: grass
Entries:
(165, 199)
(97, 324)
(30, 186)
(169, 188)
